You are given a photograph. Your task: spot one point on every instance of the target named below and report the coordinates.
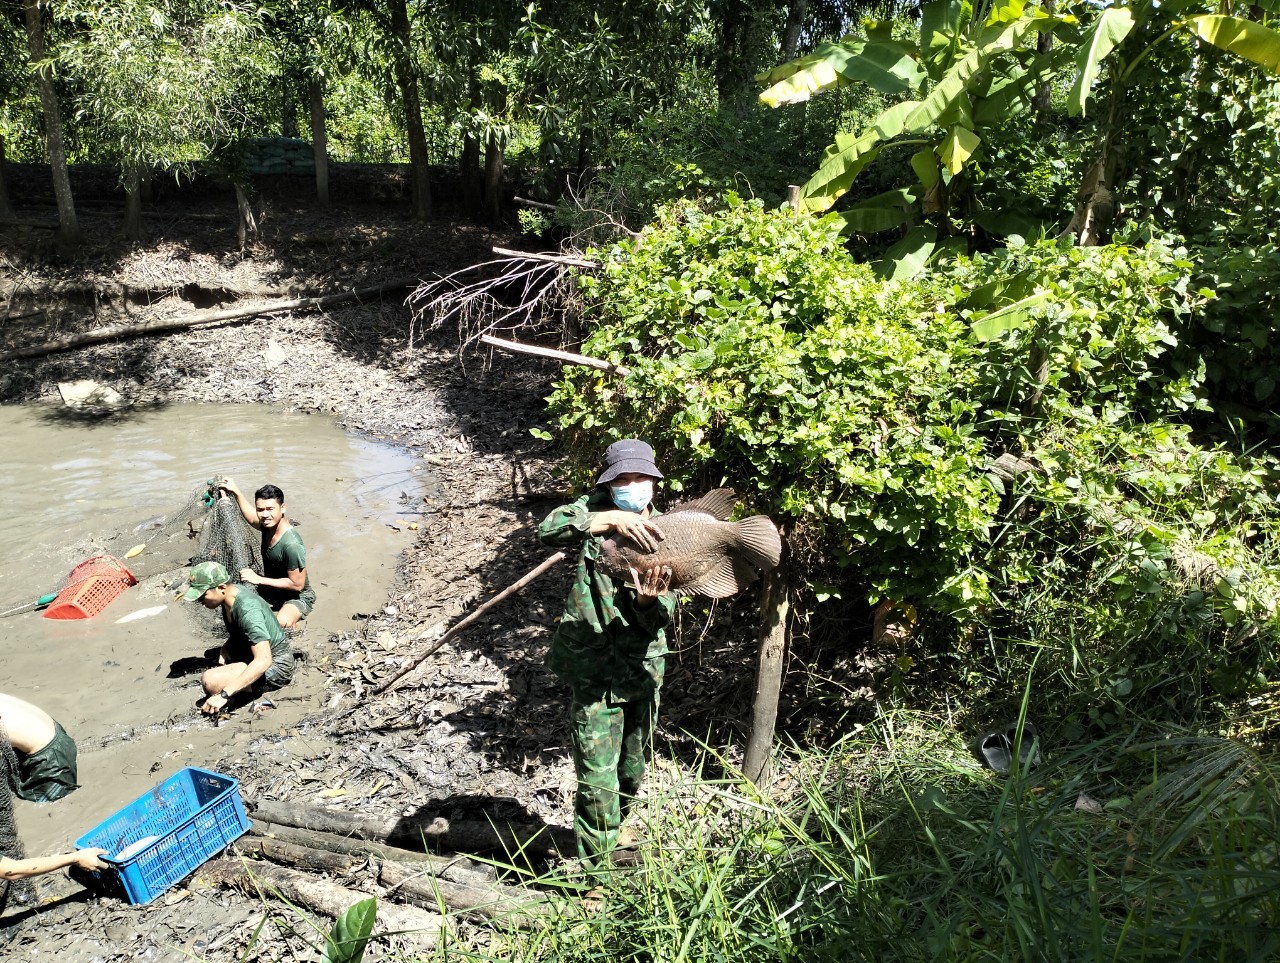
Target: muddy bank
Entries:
(480, 731)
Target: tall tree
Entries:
(164, 81)
(68, 227)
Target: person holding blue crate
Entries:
(257, 656)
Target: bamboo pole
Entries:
(509, 590)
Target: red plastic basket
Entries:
(91, 587)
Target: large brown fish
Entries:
(706, 553)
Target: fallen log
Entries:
(121, 332)
(566, 356)
(491, 900)
(321, 896)
(414, 884)
(312, 860)
(457, 868)
(438, 832)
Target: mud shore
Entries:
(479, 733)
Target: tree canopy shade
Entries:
(169, 80)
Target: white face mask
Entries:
(634, 496)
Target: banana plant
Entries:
(1126, 34)
(966, 72)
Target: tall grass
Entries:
(896, 844)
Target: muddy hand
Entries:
(653, 582)
(641, 531)
(88, 859)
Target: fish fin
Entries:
(721, 582)
(759, 541)
(718, 503)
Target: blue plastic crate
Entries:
(192, 815)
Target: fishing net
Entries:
(10, 844)
(205, 526)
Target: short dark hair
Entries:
(269, 491)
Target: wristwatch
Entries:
(225, 695)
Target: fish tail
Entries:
(759, 542)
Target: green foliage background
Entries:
(865, 417)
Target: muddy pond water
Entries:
(127, 691)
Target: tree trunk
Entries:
(246, 222)
(1096, 204)
(469, 173)
(493, 164)
(146, 176)
(796, 10)
(133, 201)
(68, 229)
(7, 213)
(735, 18)
(584, 160)
(1044, 47)
(469, 162)
(319, 141)
(774, 606)
(407, 80)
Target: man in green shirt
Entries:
(611, 646)
(284, 582)
(257, 655)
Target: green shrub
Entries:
(866, 417)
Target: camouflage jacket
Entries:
(606, 647)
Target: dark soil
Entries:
(480, 731)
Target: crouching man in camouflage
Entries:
(610, 647)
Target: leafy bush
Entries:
(868, 417)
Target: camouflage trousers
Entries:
(610, 750)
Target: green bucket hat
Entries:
(203, 577)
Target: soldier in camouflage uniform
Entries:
(611, 645)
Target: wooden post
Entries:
(793, 199)
(774, 607)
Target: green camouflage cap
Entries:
(203, 577)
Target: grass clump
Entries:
(897, 844)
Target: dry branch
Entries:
(566, 356)
(121, 332)
(540, 205)
(566, 259)
(509, 590)
(435, 831)
(322, 896)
